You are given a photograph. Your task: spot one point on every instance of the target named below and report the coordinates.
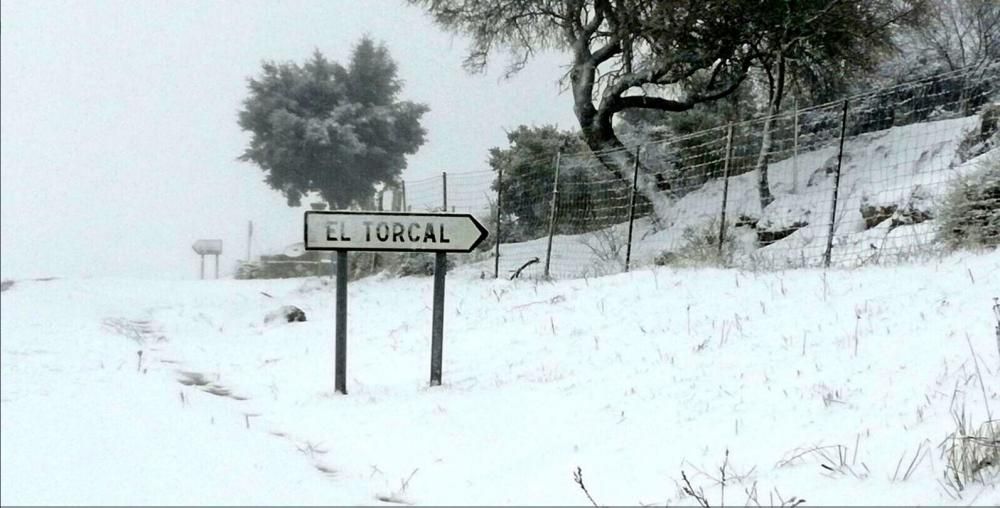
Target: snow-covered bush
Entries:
(970, 213)
(700, 247)
(247, 270)
(412, 263)
(983, 138)
(971, 452)
(607, 245)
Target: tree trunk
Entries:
(600, 137)
(596, 129)
(776, 90)
(763, 186)
(620, 161)
(397, 198)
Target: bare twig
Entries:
(578, 478)
(918, 457)
(517, 273)
(698, 496)
(722, 483)
(996, 313)
(975, 361)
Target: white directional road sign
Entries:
(392, 231)
(208, 247)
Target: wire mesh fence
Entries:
(873, 178)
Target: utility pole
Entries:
(249, 236)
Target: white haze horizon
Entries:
(119, 134)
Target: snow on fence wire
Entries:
(853, 182)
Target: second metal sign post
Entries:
(344, 231)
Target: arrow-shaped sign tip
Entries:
(483, 232)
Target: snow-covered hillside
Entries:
(891, 186)
(835, 387)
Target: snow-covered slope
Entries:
(633, 378)
(907, 168)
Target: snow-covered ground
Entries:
(633, 378)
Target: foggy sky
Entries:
(119, 134)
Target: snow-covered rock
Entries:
(287, 314)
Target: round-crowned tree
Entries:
(337, 131)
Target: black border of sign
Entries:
(484, 233)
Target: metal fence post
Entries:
(496, 246)
(631, 208)
(552, 214)
(795, 145)
(444, 190)
(402, 184)
(725, 187)
(836, 188)
(249, 236)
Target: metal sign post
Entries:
(437, 317)
(340, 361)
(344, 231)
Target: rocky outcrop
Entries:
(916, 209)
(766, 237)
